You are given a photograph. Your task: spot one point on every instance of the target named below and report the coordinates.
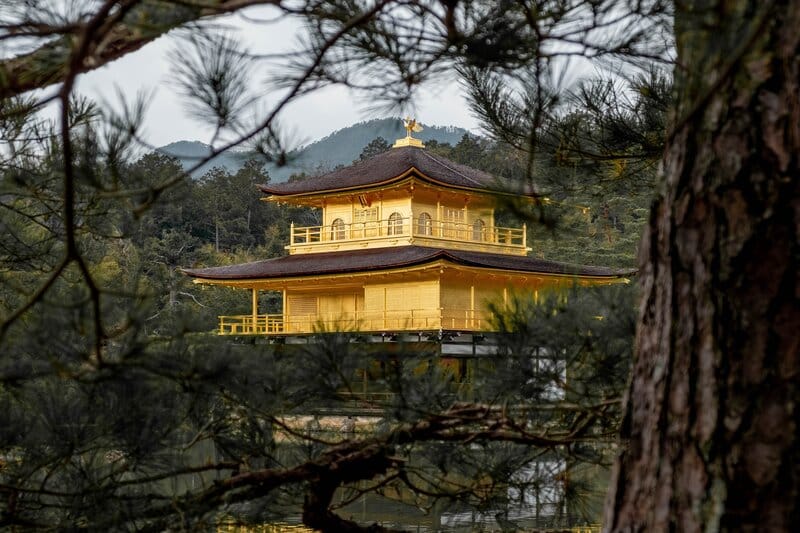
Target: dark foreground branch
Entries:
(356, 460)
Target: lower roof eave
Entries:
(369, 261)
(440, 266)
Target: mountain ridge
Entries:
(340, 147)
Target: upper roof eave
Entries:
(387, 168)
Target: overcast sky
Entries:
(309, 119)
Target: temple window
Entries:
(395, 224)
(366, 215)
(478, 230)
(453, 223)
(424, 224)
(453, 215)
(337, 230)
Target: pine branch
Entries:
(50, 63)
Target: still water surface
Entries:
(523, 510)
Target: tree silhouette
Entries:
(376, 146)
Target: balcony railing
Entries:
(361, 321)
(407, 228)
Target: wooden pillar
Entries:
(384, 308)
(255, 309)
(472, 305)
(284, 311)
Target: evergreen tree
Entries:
(376, 146)
(712, 431)
(710, 420)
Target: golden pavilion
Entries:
(408, 243)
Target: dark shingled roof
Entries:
(387, 167)
(354, 261)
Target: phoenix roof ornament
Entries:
(411, 125)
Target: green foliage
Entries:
(576, 217)
(142, 422)
(376, 146)
(119, 411)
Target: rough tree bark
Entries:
(712, 415)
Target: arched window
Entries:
(424, 224)
(478, 230)
(337, 230)
(395, 224)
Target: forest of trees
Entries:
(119, 411)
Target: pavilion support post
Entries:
(472, 306)
(255, 310)
(284, 312)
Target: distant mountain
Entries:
(341, 147)
(189, 153)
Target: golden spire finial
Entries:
(410, 124)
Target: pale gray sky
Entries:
(308, 119)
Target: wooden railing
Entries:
(250, 325)
(407, 227)
(362, 321)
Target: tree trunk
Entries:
(711, 429)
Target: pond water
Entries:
(523, 508)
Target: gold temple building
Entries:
(408, 243)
